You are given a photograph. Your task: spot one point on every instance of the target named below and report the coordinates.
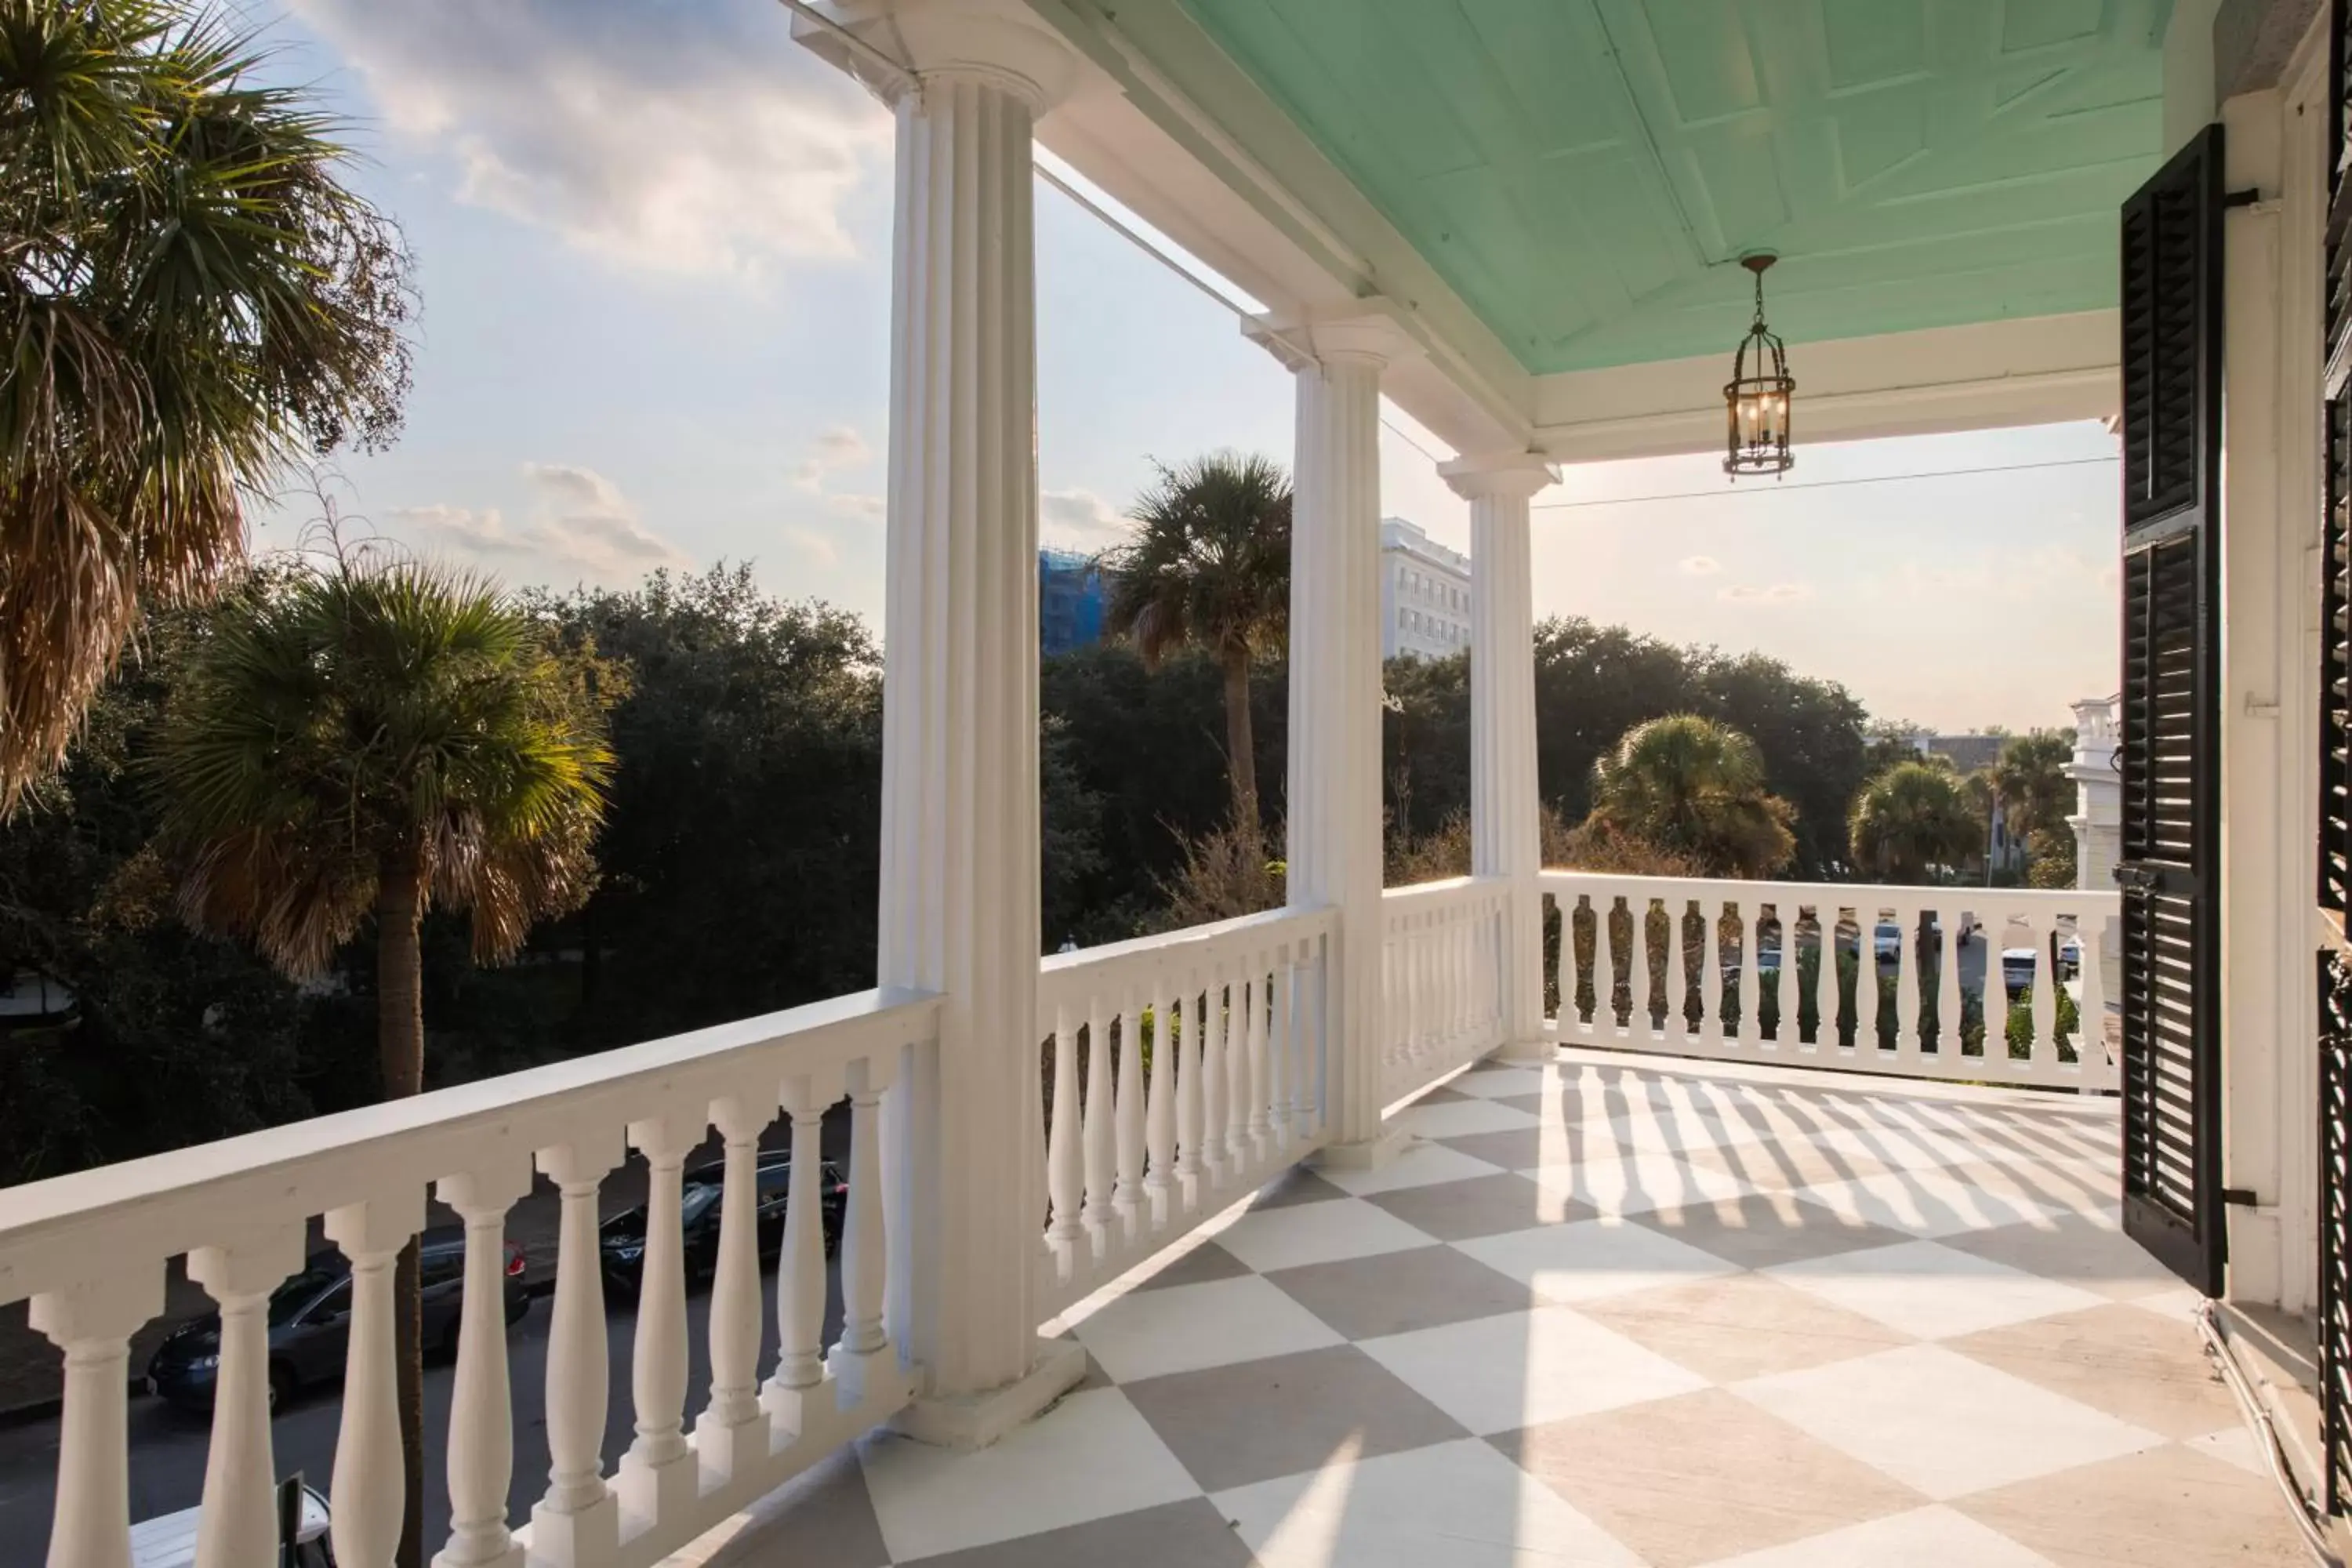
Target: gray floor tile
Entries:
(1757, 1230)
(1199, 1266)
(1518, 1149)
(1297, 1185)
(820, 1519)
(1191, 1534)
(1481, 1205)
(1231, 1425)
(1397, 1292)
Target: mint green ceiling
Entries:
(1585, 172)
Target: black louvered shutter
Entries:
(2335, 1043)
(2171, 720)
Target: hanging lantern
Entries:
(1760, 390)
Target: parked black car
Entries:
(310, 1322)
(703, 1199)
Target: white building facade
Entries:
(1424, 593)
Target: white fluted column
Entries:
(239, 1523)
(369, 1485)
(1506, 837)
(1334, 800)
(960, 813)
(92, 1322)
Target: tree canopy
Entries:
(1913, 819)
(192, 300)
(1693, 787)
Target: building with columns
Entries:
(1536, 1213)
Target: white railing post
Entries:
(92, 1322)
(1160, 1107)
(481, 1416)
(731, 1435)
(959, 913)
(577, 1523)
(1334, 791)
(1064, 1161)
(800, 1266)
(239, 1523)
(369, 1489)
(865, 1342)
(1126, 1201)
(1101, 1147)
(657, 1477)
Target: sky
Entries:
(651, 242)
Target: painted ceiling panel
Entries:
(1586, 173)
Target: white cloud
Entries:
(848, 505)
(696, 140)
(582, 527)
(1078, 519)
(1775, 593)
(837, 447)
(1701, 565)
(812, 546)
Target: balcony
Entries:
(1786, 1304)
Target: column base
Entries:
(731, 1451)
(976, 1420)
(657, 1496)
(1534, 1050)
(589, 1537)
(1368, 1155)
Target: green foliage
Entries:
(1693, 787)
(2050, 857)
(335, 723)
(1911, 820)
(2031, 783)
(191, 301)
(1209, 568)
(1594, 683)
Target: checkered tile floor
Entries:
(1604, 1313)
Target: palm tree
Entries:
(1209, 567)
(375, 738)
(1693, 787)
(1911, 818)
(2029, 781)
(189, 301)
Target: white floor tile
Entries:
(1492, 1083)
(2234, 1446)
(1924, 1538)
(1422, 1165)
(1592, 1258)
(1925, 1288)
(1941, 1423)
(1618, 1181)
(1524, 1369)
(1460, 1504)
(1183, 1328)
(1906, 1148)
(1324, 1232)
(1092, 1455)
(1924, 1203)
(1460, 1117)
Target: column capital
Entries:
(994, 41)
(1520, 474)
(1368, 331)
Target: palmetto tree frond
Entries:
(189, 300)
(1693, 786)
(1209, 565)
(1913, 818)
(338, 717)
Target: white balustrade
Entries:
(1442, 980)
(1917, 973)
(89, 1251)
(1218, 1092)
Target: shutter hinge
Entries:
(2242, 1196)
(2261, 706)
(2249, 197)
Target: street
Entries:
(168, 1446)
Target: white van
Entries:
(169, 1541)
